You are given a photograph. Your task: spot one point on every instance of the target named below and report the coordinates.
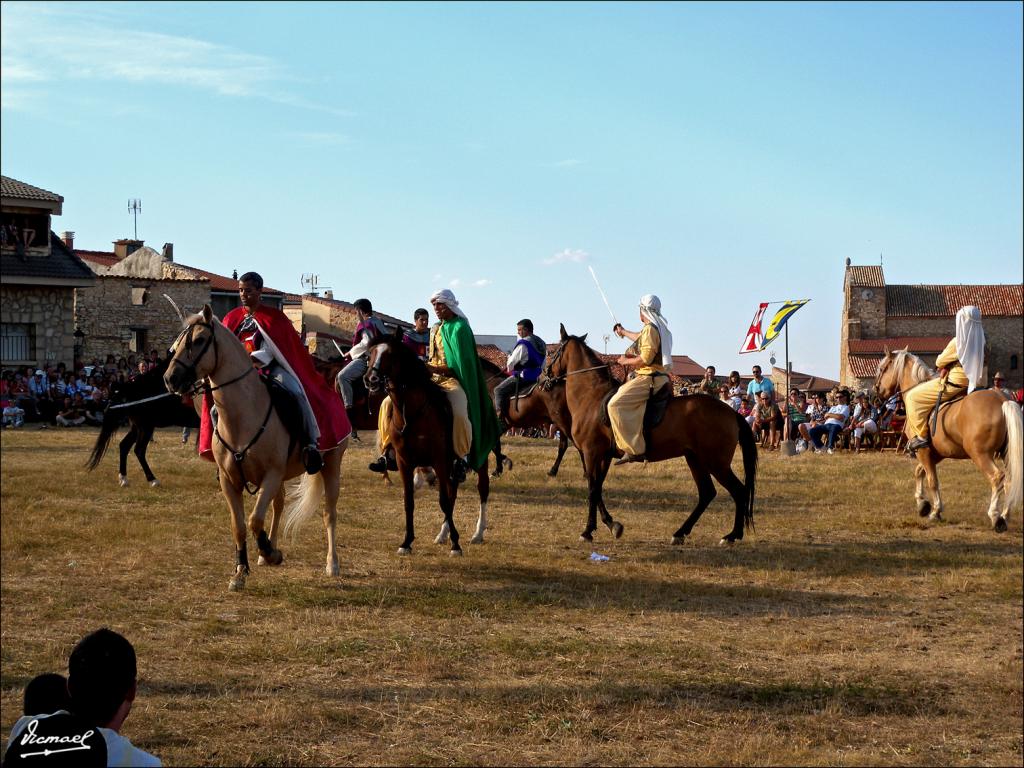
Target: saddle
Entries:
(654, 411)
(288, 410)
(524, 390)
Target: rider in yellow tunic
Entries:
(654, 351)
(960, 367)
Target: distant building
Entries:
(804, 382)
(877, 316)
(38, 279)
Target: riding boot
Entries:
(386, 462)
(459, 471)
(311, 459)
(630, 457)
(917, 443)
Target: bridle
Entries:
(202, 384)
(394, 388)
(550, 380)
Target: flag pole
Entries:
(788, 447)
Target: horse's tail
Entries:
(749, 447)
(108, 427)
(1014, 458)
(302, 501)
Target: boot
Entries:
(459, 471)
(385, 463)
(311, 459)
(630, 457)
(917, 443)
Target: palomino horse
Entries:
(980, 427)
(253, 446)
(421, 434)
(703, 430)
(145, 404)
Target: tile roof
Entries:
(919, 345)
(493, 354)
(945, 300)
(864, 366)
(13, 188)
(805, 382)
(101, 258)
(687, 367)
(59, 264)
(871, 277)
(388, 319)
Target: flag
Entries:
(775, 326)
(752, 343)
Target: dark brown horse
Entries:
(982, 427)
(701, 429)
(421, 434)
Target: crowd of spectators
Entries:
(58, 396)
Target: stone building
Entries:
(327, 322)
(805, 382)
(877, 316)
(38, 280)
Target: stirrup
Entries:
(629, 458)
(916, 444)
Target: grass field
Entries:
(844, 630)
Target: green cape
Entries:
(460, 355)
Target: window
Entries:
(140, 295)
(1013, 362)
(137, 343)
(17, 341)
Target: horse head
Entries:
(887, 377)
(392, 361)
(558, 365)
(189, 361)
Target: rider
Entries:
(417, 340)
(960, 367)
(453, 360)
(524, 365)
(273, 344)
(369, 330)
(626, 407)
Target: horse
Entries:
(421, 434)
(981, 427)
(703, 430)
(253, 448)
(540, 407)
(366, 406)
(146, 404)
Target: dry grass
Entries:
(844, 631)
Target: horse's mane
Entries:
(415, 374)
(595, 360)
(919, 371)
(490, 369)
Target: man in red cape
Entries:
(271, 340)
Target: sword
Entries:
(594, 275)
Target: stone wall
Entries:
(333, 318)
(50, 311)
(107, 313)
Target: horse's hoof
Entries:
(999, 526)
(441, 539)
(678, 541)
(479, 539)
(552, 473)
(276, 557)
(237, 584)
(333, 570)
(936, 516)
(122, 481)
(586, 537)
(617, 530)
(726, 542)
(455, 553)
(154, 483)
(405, 550)
(923, 508)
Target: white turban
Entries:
(446, 297)
(650, 308)
(970, 344)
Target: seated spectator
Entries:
(815, 417)
(94, 407)
(23, 399)
(709, 384)
(736, 389)
(102, 686)
(723, 395)
(46, 694)
(796, 412)
(835, 420)
(863, 421)
(999, 385)
(70, 415)
(767, 419)
(745, 410)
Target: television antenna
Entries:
(311, 281)
(606, 338)
(135, 208)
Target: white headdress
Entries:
(650, 308)
(446, 297)
(970, 344)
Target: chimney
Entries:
(168, 252)
(329, 295)
(69, 240)
(125, 247)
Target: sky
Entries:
(717, 155)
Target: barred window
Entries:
(17, 341)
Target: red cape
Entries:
(327, 406)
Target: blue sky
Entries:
(717, 155)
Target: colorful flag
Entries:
(784, 313)
(752, 343)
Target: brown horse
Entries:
(263, 453)
(981, 427)
(421, 434)
(701, 429)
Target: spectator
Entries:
(744, 409)
(709, 384)
(723, 395)
(759, 384)
(815, 417)
(22, 398)
(102, 686)
(109, 366)
(69, 415)
(863, 421)
(796, 413)
(94, 407)
(46, 694)
(835, 420)
(736, 389)
(999, 385)
(767, 418)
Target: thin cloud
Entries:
(455, 282)
(481, 282)
(574, 255)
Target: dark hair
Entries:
(45, 694)
(421, 312)
(252, 277)
(527, 324)
(363, 305)
(711, 368)
(101, 674)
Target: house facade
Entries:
(877, 316)
(38, 279)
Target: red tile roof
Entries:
(864, 366)
(102, 258)
(805, 382)
(871, 277)
(945, 300)
(919, 345)
(19, 189)
(493, 354)
(687, 367)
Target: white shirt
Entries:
(841, 410)
(120, 751)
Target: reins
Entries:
(239, 456)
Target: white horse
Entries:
(253, 448)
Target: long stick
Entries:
(594, 275)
